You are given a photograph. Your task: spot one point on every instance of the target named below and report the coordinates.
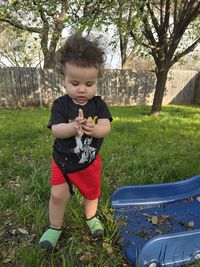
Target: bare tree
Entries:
(18, 48)
(49, 18)
(46, 18)
(165, 23)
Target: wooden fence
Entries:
(20, 87)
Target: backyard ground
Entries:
(141, 149)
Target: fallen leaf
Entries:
(87, 239)
(108, 248)
(14, 232)
(158, 220)
(154, 219)
(191, 224)
(14, 183)
(79, 251)
(23, 231)
(86, 257)
(8, 259)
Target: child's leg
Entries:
(90, 207)
(59, 195)
(96, 229)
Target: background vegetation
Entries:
(167, 29)
(141, 149)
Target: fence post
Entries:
(39, 86)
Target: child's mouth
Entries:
(81, 99)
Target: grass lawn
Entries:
(141, 149)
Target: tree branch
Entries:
(42, 14)
(142, 43)
(19, 25)
(153, 18)
(187, 9)
(161, 13)
(165, 25)
(148, 33)
(167, 14)
(185, 52)
(151, 47)
(181, 26)
(175, 12)
(189, 13)
(37, 3)
(63, 10)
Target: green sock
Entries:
(51, 235)
(95, 226)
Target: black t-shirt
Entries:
(76, 153)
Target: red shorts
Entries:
(87, 180)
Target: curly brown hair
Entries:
(80, 51)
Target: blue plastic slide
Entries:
(159, 225)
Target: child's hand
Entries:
(79, 122)
(89, 127)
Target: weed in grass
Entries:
(9, 199)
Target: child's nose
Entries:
(81, 88)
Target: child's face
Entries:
(80, 82)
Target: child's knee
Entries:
(60, 193)
(55, 197)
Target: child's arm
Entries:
(98, 130)
(67, 130)
(64, 130)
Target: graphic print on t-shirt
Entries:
(83, 150)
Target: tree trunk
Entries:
(49, 69)
(159, 92)
(47, 72)
(47, 90)
(49, 61)
(123, 48)
(50, 53)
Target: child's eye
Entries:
(89, 84)
(74, 83)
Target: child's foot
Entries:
(49, 239)
(96, 228)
